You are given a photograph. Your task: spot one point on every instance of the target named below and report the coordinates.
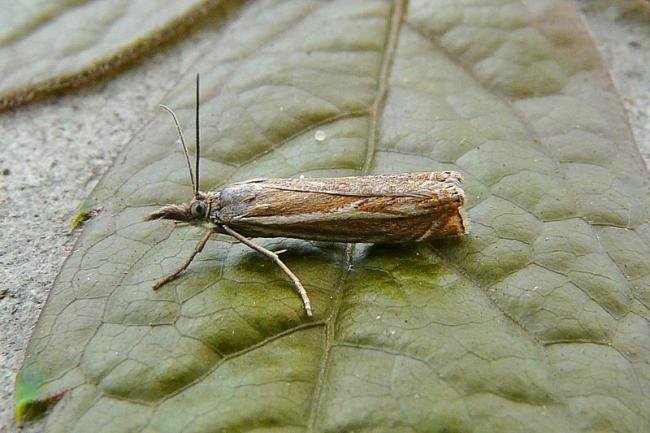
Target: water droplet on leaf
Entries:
(320, 135)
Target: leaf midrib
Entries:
(374, 113)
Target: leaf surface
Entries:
(50, 45)
(535, 322)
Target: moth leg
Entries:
(197, 249)
(276, 259)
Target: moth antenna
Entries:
(198, 149)
(180, 134)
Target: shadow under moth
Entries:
(408, 207)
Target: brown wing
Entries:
(397, 208)
(397, 184)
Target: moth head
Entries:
(197, 211)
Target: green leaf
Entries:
(535, 322)
(50, 45)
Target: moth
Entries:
(409, 207)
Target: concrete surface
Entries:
(54, 152)
(623, 37)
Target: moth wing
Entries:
(417, 194)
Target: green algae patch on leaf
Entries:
(534, 322)
(49, 46)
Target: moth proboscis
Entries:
(397, 208)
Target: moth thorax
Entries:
(213, 198)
